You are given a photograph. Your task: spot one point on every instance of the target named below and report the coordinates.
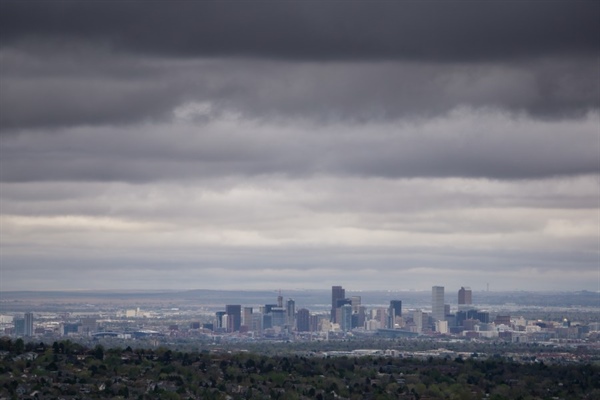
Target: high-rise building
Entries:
(219, 315)
(267, 321)
(396, 305)
(278, 316)
(481, 316)
(346, 317)
(247, 317)
(465, 297)
(418, 320)
(395, 310)
(358, 318)
(303, 320)
(355, 301)
(256, 324)
(337, 293)
(19, 324)
(234, 311)
(28, 324)
(338, 309)
(380, 315)
(229, 321)
(437, 304)
(291, 313)
(317, 321)
(268, 307)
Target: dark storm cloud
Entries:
(74, 63)
(58, 86)
(325, 30)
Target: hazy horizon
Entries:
(350, 290)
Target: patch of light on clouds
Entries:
(74, 223)
(565, 228)
(189, 111)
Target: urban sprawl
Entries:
(282, 320)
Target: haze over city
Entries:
(290, 145)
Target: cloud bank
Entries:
(233, 145)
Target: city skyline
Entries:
(271, 321)
(291, 145)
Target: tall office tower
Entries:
(397, 306)
(278, 316)
(235, 314)
(290, 313)
(337, 293)
(346, 317)
(219, 315)
(418, 320)
(483, 316)
(437, 303)
(280, 300)
(380, 315)
(303, 320)
(267, 321)
(256, 323)
(19, 324)
(360, 317)
(28, 324)
(338, 308)
(315, 321)
(268, 307)
(226, 321)
(247, 320)
(395, 310)
(355, 301)
(465, 296)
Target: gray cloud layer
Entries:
(465, 142)
(69, 63)
(327, 30)
(369, 144)
(39, 89)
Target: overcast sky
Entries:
(267, 145)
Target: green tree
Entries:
(19, 346)
(98, 352)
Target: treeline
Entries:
(69, 370)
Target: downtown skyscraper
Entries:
(465, 297)
(337, 293)
(234, 313)
(437, 303)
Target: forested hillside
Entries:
(71, 371)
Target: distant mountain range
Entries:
(307, 298)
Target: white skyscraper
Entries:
(291, 314)
(437, 303)
(28, 324)
(418, 319)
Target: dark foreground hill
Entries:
(70, 371)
